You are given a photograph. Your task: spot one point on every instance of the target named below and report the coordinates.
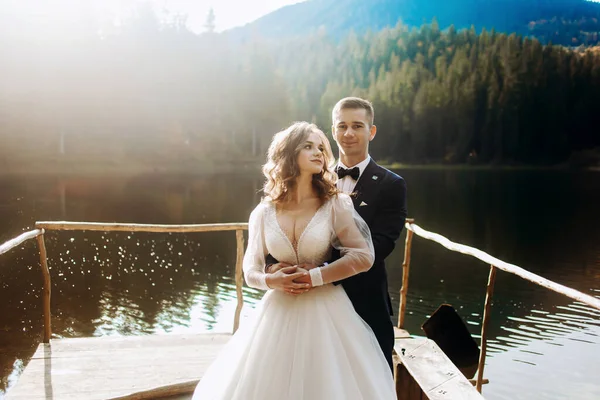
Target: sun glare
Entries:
(56, 18)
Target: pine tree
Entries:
(209, 24)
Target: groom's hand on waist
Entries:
(272, 268)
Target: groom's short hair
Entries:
(354, 103)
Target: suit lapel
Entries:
(368, 180)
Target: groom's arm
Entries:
(272, 265)
(389, 219)
(269, 261)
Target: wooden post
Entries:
(486, 319)
(239, 281)
(405, 273)
(47, 287)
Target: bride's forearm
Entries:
(257, 280)
(345, 267)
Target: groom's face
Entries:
(352, 132)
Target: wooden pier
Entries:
(169, 366)
(164, 366)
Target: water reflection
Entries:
(555, 352)
(142, 283)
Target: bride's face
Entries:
(311, 158)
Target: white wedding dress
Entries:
(308, 347)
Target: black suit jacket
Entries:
(380, 199)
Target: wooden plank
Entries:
(118, 227)
(433, 371)
(401, 333)
(455, 389)
(406, 387)
(113, 367)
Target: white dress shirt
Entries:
(347, 184)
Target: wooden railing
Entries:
(25, 236)
(39, 235)
(495, 264)
(115, 227)
(411, 227)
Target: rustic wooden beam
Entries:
(405, 274)
(47, 287)
(23, 237)
(510, 268)
(118, 227)
(487, 312)
(239, 279)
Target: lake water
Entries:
(542, 345)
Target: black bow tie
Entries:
(354, 173)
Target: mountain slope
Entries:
(577, 19)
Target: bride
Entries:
(305, 340)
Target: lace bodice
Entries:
(334, 225)
(313, 245)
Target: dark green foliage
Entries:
(453, 97)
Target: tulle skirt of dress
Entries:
(310, 347)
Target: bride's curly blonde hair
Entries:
(281, 169)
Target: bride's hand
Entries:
(306, 279)
(284, 280)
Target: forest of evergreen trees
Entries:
(154, 93)
(455, 97)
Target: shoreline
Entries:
(216, 168)
(490, 167)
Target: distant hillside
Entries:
(566, 22)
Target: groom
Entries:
(379, 197)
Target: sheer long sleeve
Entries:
(254, 258)
(351, 236)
